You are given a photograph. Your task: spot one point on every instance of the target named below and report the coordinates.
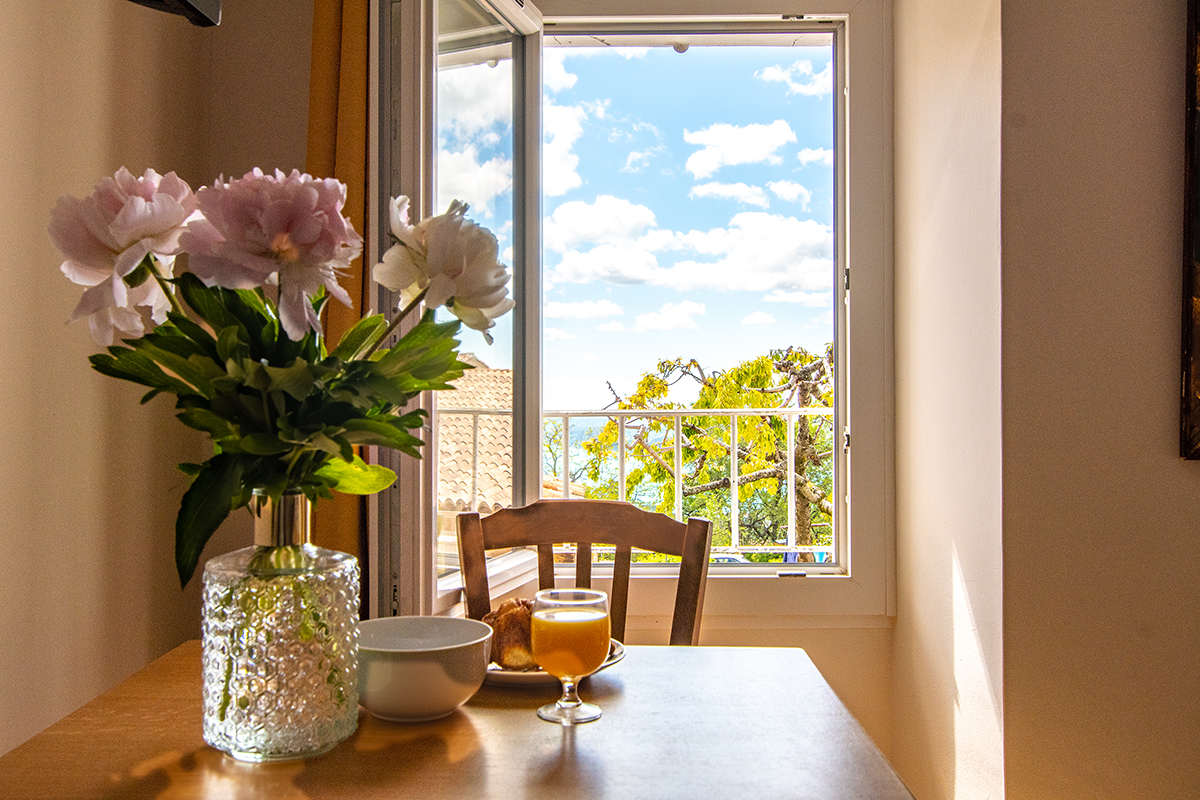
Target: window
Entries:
(847, 575)
(691, 262)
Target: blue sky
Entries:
(688, 205)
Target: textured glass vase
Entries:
(280, 641)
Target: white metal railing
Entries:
(677, 416)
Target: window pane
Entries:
(475, 165)
(689, 263)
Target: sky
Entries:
(688, 202)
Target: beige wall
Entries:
(1101, 517)
(947, 710)
(88, 493)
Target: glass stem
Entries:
(570, 697)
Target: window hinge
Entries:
(846, 440)
(846, 276)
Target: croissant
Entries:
(511, 647)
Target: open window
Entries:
(728, 205)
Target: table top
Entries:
(694, 722)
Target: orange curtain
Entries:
(337, 147)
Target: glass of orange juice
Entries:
(571, 634)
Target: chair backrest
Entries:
(584, 523)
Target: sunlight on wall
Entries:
(978, 732)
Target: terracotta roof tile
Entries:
(479, 388)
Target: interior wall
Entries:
(88, 495)
(947, 709)
(1101, 553)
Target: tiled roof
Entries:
(479, 388)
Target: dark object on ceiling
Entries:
(205, 13)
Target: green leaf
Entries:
(182, 367)
(196, 333)
(364, 334)
(205, 301)
(380, 432)
(263, 444)
(296, 380)
(204, 507)
(128, 365)
(331, 445)
(202, 419)
(230, 346)
(141, 273)
(357, 476)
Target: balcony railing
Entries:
(675, 418)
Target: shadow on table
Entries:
(570, 772)
(444, 755)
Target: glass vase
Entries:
(280, 640)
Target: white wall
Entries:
(1101, 517)
(947, 710)
(88, 493)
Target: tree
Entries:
(791, 378)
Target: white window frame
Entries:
(863, 593)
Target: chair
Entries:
(584, 523)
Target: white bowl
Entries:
(414, 669)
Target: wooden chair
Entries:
(584, 523)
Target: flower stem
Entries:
(396, 320)
(167, 289)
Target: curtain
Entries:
(337, 147)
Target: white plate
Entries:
(498, 676)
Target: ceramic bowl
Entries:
(414, 669)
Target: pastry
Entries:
(511, 647)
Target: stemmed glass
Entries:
(571, 634)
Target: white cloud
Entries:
(563, 125)
(818, 155)
(758, 318)
(800, 78)
(671, 316)
(811, 299)
(554, 72)
(585, 309)
(556, 334)
(507, 256)
(791, 191)
(637, 159)
(609, 220)
(461, 176)
(747, 195)
(619, 264)
(757, 252)
(596, 108)
(469, 103)
(727, 145)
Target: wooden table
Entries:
(679, 722)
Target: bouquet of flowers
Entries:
(238, 340)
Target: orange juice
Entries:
(570, 643)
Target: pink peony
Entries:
(275, 230)
(104, 238)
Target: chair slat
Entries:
(583, 565)
(545, 566)
(619, 598)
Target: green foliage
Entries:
(282, 414)
(791, 378)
